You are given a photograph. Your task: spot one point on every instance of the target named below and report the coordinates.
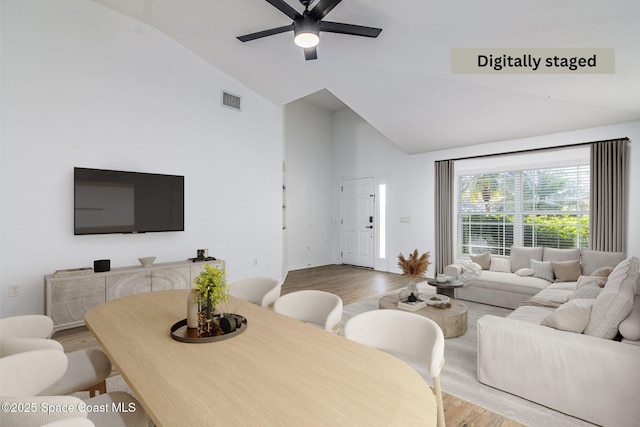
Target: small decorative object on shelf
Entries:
(73, 272)
(202, 255)
(210, 290)
(147, 261)
(414, 267)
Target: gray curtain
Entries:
(444, 215)
(608, 219)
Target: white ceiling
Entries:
(401, 82)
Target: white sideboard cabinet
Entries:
(69, 298)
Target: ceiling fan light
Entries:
(306, 31)
(307, 39)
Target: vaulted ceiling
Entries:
(402, 83)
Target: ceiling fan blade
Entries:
(265, 33)
(284, 7)
(323, 7)
(310, 53)
(354, 30)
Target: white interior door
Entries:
(357, 225)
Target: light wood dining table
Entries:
(277, 372)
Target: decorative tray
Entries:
(180, 332)
(441, 299)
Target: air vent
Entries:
(230, 100)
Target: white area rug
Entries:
(458, 376)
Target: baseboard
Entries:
(309, 265)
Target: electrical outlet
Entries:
(14, 291)
(255, 262)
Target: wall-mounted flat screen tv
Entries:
(107, 201)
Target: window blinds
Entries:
(533, 207)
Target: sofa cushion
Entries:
(500, 264)
(615, 301)
(525, 272)
(566, 271)
(630, 327)
(511, 282)
(530, 314)
(550, 298)
(602, 272)
(521, 257)
(593, 260)
(542, 269)
(588, 280)
(589, 291)
(572, 316)
(553, 254)
(484, 260)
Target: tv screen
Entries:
(107, 201)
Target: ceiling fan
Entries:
(306, 27)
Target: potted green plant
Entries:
(211, 289)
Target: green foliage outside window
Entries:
(547, 207)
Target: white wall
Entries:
(85, 86)
(362, 151)
(309, 165)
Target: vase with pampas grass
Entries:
(414, 267)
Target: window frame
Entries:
(499, 164)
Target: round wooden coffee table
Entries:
(452, 321)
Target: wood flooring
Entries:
(352, 284)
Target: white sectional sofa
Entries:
(500, 284)
(573, 346)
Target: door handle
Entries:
(369, 226)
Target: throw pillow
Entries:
(593, 260)
(630, 327)
(521, 257)
(484, 260)
(502, 265)
(553, 254)
(588, 280)
(615, 301)
(590, 291)
(566, 271)
(602, 272)
(525, 272)
(572, 316)
(542, 269)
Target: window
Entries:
(529, 207)
(382, 214)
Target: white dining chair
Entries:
(263, 291)
(25, 375)
(87, 369)
(319, 308)
(26, 326)
(402, 332)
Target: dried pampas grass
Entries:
(416, 266)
